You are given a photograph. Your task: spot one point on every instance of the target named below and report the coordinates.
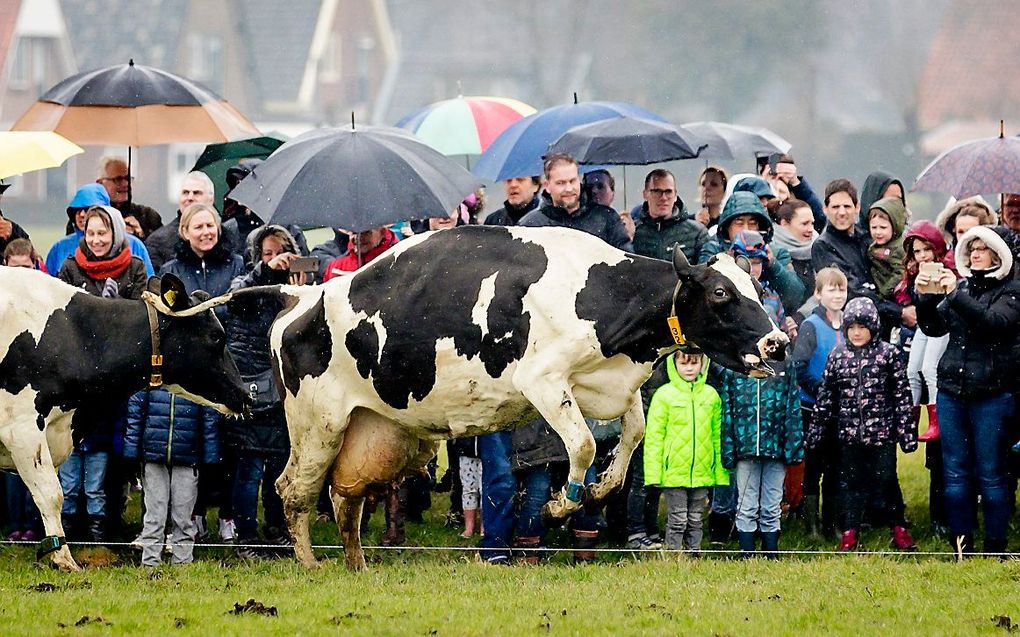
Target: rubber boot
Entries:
(97, 528)
(584, 542)
(522, 552)
(902, 540)
(933, 426)
(746, 541)
(770, 544)
(848, 542)
(470, 522)
(395, 520)
(720, 528)
(809, 509)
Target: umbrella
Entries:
(216, 159)
(981, 166)
(464, 125)
(25, 151)
(134, 105)
(626, 140)
(728, 141)
(518, 151)
(354, 178)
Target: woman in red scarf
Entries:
(103, 264)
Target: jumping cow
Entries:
(478, 329)
(65, 353)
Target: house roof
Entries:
(108, 32)
(973, 71)
(282, 42)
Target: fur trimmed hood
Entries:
(993, 239)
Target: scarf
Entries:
(99, 269)
(799, 250)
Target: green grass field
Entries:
(427, 593)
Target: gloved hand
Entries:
(110, 289)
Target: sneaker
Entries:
(247, 552)
(848, 542)
(228, 533)
(167, 545)
(643, 543)
(901, 539)
(136, 544)
(15, 536)
(29, 536)
(656, 539)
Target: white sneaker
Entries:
(228, 533)
(167, 548)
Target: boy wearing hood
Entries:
(886, 220)
(864, 401)
(744, 211)
(878, 185)
(682, 447)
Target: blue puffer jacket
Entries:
(211, 273)
(171, 430)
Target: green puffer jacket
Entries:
(682, 433)
(655, 238)
(760, 417)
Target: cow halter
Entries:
(673, 321)
(156, 375)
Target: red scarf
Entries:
(105, 269)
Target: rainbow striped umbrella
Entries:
(464, 125)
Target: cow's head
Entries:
(196, 364)
(720, 310)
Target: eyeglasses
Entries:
(662, 192)
(980, 249)
(122, 179)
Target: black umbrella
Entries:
(627, 141)
(356, 179)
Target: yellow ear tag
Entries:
(674, 329)
(169, 297)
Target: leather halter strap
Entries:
(156, 375)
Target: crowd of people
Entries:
(894, 322)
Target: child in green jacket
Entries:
(682, 447)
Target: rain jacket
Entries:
(982, 318)
(163, 241)
(66, 246)
(594, 219)
(211, 273)
(349, 261)
(656, 237)
(682, 433)
(874, 189)
(170, 430)
(864, 397)
(886, 261)
(780, 273)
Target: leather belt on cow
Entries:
(156, 377)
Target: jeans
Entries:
(84, 470)
(536, 488)
(642, 501)
(974, 448)
(925, 353)
(253, 471)
(685, 509)
(759, 492)
(498, 488)
(867, 479)
(724, 499)
(24, 516)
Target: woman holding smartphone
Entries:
(976, 379)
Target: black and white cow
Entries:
(473, 330)
(64, 354)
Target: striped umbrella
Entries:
(464, 125)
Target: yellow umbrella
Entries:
(25, 151)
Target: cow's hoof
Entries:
(307, 559)
(65, 563)
(552, 517)
(356, 563)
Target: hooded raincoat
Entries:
(886, 261)
(682, 433)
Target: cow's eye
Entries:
(721, 294)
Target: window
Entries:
(205, 59)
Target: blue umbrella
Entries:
(518, 151)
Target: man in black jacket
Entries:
(565, 207)
(162, 244)
(521, 198)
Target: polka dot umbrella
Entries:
(464, 125)
(982, 166)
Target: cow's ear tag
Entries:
(674, 329)
(170, 297)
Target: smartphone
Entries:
(934, 271)
(305, 264)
